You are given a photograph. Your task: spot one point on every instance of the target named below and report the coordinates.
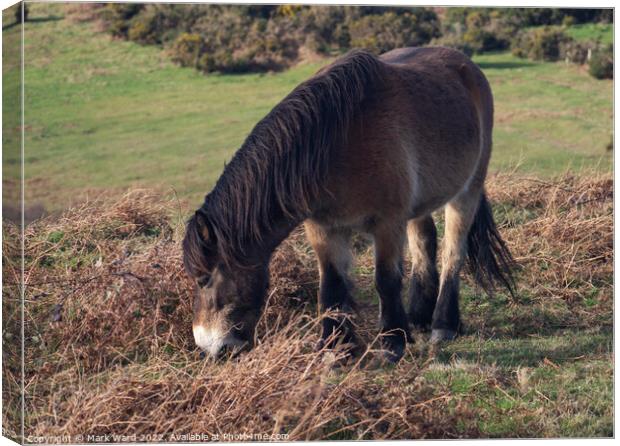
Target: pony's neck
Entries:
(258, 252)
(244, 245)
(279, 174)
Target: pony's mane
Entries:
(280, 169)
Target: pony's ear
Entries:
(206, 232)
(199, 246)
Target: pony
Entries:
(369, 143)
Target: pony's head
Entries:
(228, 299)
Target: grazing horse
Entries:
(368, 143)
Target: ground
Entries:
(108, 307)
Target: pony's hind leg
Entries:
(424, 283)
(459, 216)
(331, 246)
(389, 241)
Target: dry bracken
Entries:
(109, 347)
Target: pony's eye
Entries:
(204, 281)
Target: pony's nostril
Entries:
(230, 351)
(225, 352)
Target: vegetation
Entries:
(592, 32)
(233, 39)
(540, 44)
(109, 347)
(571, 35)
(602, 63)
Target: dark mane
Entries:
(280, 169)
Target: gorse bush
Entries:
(602, 63)
(117, 17)
(188, 49)
(235, 39)
(575, 52)
(381, 33)
(234, 43)
(540, 44)
(241, 38)
(479, 29)
(552, 44)
(491, 29)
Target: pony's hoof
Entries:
(442, 334)
(421, 320)
(394, 347)
(394, 354)
(351, 347)
(421, 327)
(319, 345)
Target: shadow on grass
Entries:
(530, 352)
(508, 65)
(9, 26)
(51, 18)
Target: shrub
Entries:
(142, 31)
(187, 50)
(602, 63)
(380, 33)
(117, 17)
(161, 23)
(452, 41)
(322, 28)
(479, 29)
(233, 43)
(235, 38)
(540, 44)
(258, 38)
(527, 17)
(575, 52)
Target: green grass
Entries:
(11, 111)
(513, 402)
(592, 32)
(104, 115)
(549, 116)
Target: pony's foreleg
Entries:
(334, 257)
(389, 241)
(459, 216)
(424, 283)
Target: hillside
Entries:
(103, 115)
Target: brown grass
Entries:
(109, 346)
(83, 12)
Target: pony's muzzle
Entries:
(215, 343)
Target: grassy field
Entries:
(109, 347)
(592, 32)
(106, 115)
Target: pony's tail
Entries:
(488, 257)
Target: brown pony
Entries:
(368, 143)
